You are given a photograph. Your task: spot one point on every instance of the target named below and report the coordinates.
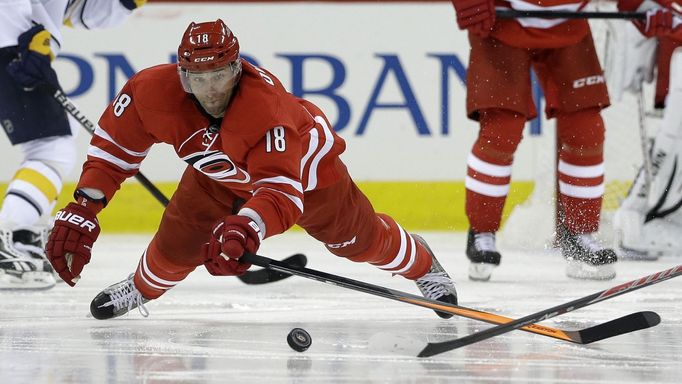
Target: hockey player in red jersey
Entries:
(562, 54)
(259, 161)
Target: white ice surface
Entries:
(218, 330)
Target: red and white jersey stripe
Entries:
(527, 32)
(115, 153)
(320, 141)
(544, 5)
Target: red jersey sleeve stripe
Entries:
(294, 199)
(104, 135)
(99, 153)
(326, 147)
(313, 142)
(281, 180)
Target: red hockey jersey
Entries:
(269, 148)
(540, 33)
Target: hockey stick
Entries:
(644, 141)
(626, 324)
(250, 277)
(515, 14)
(436, 348)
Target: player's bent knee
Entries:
(501, 131)
(581, 129)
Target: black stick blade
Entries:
(265, 275)
(622, 325)
(626, 324)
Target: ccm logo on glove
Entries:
(77, 220)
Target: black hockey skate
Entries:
(483, 255)
(23, 264)
(117, 300)
(33, 243)
(436, 284)
(586, 257)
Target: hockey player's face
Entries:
(212, 89)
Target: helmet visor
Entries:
(223, 78)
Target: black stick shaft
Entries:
(156, 192)
(516, 14)
(436, 348)
(72, 110)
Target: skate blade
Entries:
(584, 271)
(27, 281)
(625, 253)
(481, 271)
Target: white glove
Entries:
(634, 60)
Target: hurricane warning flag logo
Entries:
(217, 166)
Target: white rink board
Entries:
(400, 40)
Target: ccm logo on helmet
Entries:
(77, 220)
(204, 59)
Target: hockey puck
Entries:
(299, 340)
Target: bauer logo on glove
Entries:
(69, 246)
(77, 220)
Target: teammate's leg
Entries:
(499, 97)
(581, 188)
(581, 169)
(575, 91)
(489, 168)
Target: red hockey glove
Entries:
(70, 243)
(660, 20)
(33, 66)
(478, 16)
(230, 239)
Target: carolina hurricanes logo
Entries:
(217, 166)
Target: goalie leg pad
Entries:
(647, 220)
(662, 237)
(667, 152)
(658, 237)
